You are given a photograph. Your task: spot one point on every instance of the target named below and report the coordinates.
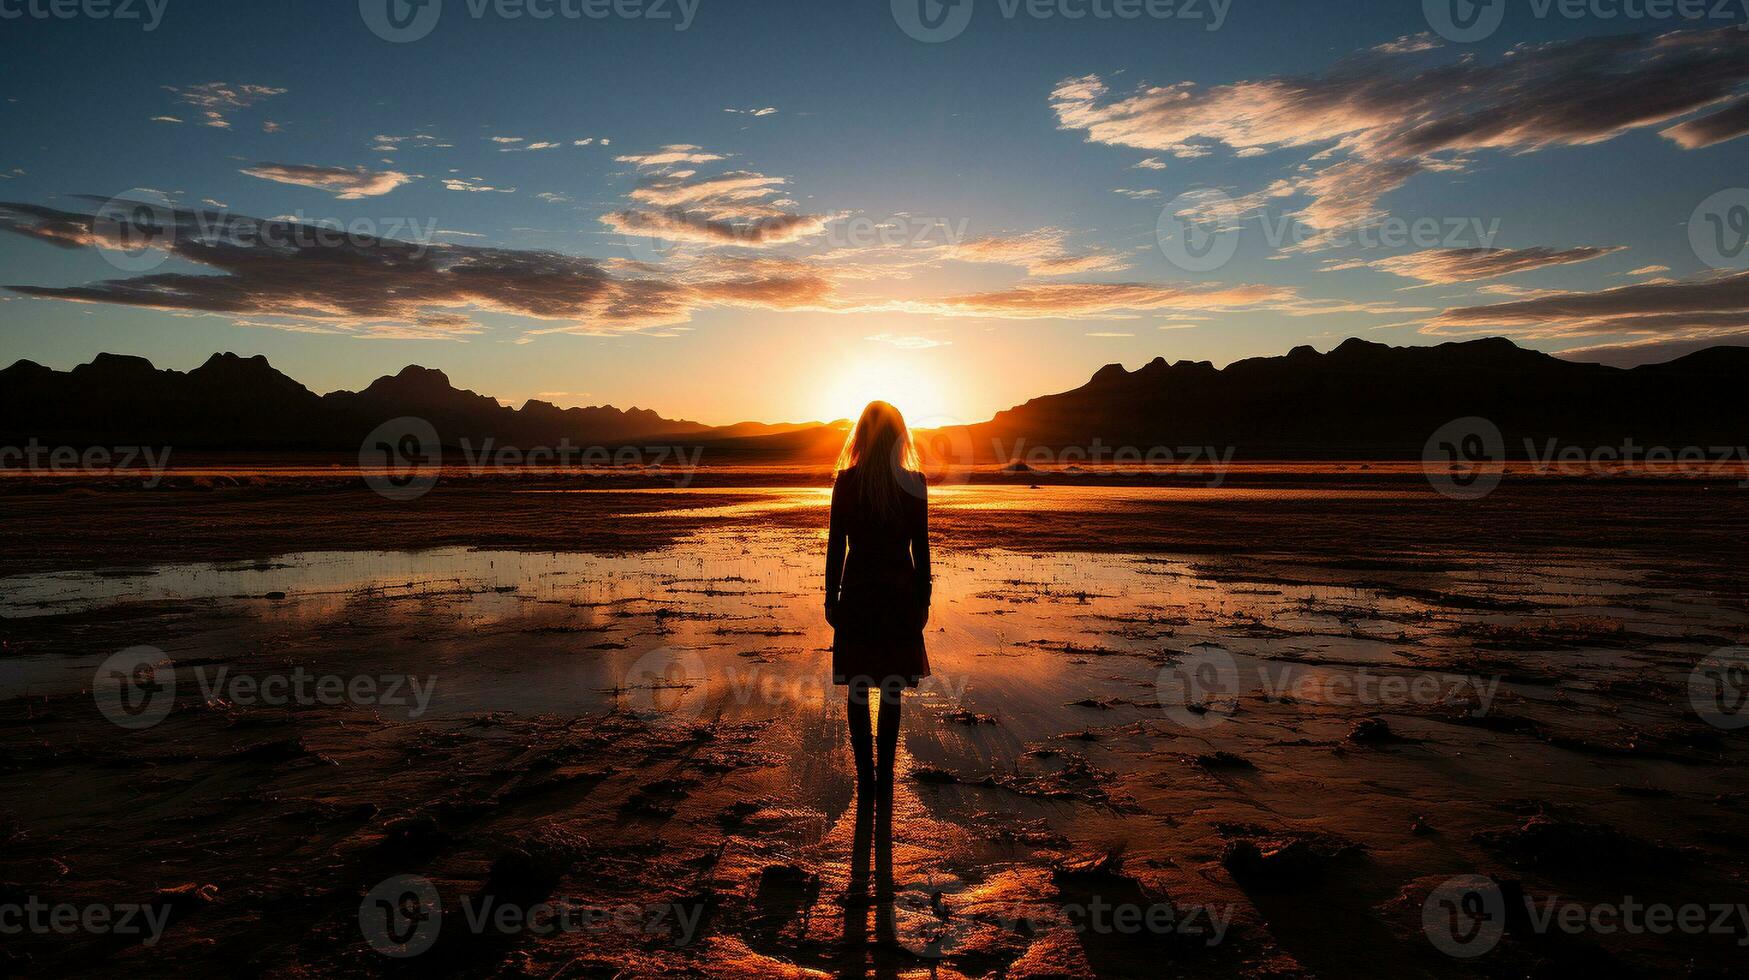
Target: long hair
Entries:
(881, 461)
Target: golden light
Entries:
(908, 382)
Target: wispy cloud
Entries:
(1071, 300)
(342, 183)
(476, 185)
(383, 287)
(685, 226)
(1650, 351)
(669, 155)
(738, 207)
(1382, 117)
(1409, 44)
(733, 188)
(1041, 253)
(217, 100)
(386, 143)
(1449, 265)
(1689, 308)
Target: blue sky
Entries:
(667, 252)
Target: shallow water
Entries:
(726, 623)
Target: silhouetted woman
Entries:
(877, 597)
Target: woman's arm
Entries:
(835, 538)
(920, 545)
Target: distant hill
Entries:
(233, 402)
(1368, 398)
(1360, 399)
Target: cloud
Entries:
(386, 143)
(294, 276)
(1647, 270)
(766, 111)
(1409, 44)
(1516, 292)
(58, 228)
(1377, 119)
(687, 226)
(1654, 351)
(669, 155)
(1724, 125)
(475, 185)
(1071, 300)
(1448, 265)
(1690, 308)
(733, 208)
(1040, 253)
(348, 185)
(729, 189)
(217, 99)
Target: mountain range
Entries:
(1359, 399)
(233, 402)
(1366, 399)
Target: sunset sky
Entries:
(619, 211)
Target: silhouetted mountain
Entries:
(233, 402)
(1359, 399)
(745, 429)
(1369, 398)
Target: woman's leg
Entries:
(887, 728)
(887, 739)
(861, 737)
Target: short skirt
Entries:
(880, 634)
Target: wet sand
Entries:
(1285, 709)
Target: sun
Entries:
(907, 382)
